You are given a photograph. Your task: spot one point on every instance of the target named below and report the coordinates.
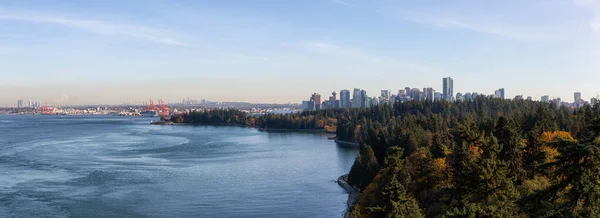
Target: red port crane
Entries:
(165, 112)
(152, 106)
(45, 109)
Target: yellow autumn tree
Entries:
(549, 137)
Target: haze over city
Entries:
(272, 51)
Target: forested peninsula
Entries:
(478, 158)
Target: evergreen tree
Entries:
(364, 169)
(511, 153)
(486, 191)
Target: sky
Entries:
(280, 51)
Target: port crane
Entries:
(165, 112)
(46, 110)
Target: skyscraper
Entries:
(577, 97)
(448, 85)
(407, 91)
(428, 94)
(501, 93)
(317, 100)
(356, 100)
(345, 98)
(364, 99)
(386, 94)
(374, 101)
(19, 103)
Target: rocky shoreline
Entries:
(353, 193)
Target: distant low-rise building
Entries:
(459, 96)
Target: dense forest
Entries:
(311, 120)
(478, 158)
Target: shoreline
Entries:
(353, 194)
(258, 128)
(346, 142)
(291, 130)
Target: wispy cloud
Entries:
(344, 3)
(496, 28)
(97, 27)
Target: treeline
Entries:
(480, 158)
(313, 120)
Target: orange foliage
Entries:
(439, 165)
(548, 137)
(475, 152)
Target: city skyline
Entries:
(267, 51)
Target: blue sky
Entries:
(113, 51)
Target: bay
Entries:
(86, 166)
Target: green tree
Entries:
(511, 153)
(487, 191)
(364, 169)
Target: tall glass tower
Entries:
(448, 88)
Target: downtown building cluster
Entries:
(29, 104)
(358, 98)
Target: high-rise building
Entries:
(345, 98)
(375, 101)
(438, 96)
(429, 94)
(577, 97)
(557, 102)
(501, 90)
(448, 88)
(402, 93)
(356, 100)
(497, 94)
(415, 94)
(594, 101)
(529, 98)
(19, 103)
(333, 102)
(386, 94)
(316, 98)
(407, 91)
(364, 98)
(518, 97)
(545, 98)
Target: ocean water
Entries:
(53, 166)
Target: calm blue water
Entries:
(123, 167)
